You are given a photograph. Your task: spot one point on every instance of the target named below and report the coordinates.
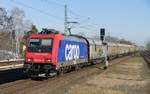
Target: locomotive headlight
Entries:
(48, 60)
(29, 60)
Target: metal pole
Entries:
(104, 47)
(69, 29)
(65, 23)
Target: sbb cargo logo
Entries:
(72, 52)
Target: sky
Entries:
(128, 19)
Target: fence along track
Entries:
(11, 64)
(11, 60)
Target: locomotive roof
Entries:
(79, 38)
(76, 38)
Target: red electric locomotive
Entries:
(48, 51)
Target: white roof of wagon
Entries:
(94, 41)
(98, 42)
(112, 44)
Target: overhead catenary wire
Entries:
(53, 2)
(82, 19)
(37, 10)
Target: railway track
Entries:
(57, 84)
(146, 55)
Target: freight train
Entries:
(52, 52)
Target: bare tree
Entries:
(12, 29)
(17, 18)
(27, 26)
(3, 18)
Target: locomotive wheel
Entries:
(61, 71)
(77, 67)
(33, 77)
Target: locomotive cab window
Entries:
(40, 45)
(46, 42)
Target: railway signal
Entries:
(104, 47)
(102, 34)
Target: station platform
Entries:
(131, 76)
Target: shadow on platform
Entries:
(11, 75)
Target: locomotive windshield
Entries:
(40, 45)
